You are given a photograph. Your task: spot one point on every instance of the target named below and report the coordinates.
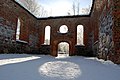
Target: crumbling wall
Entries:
(116, 32)
(10, 11)
(70, 37)
(7, 33)
(106, 33)
(107, 16)
(101, 30)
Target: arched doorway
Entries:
(63, 49)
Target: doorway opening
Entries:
(63, 49)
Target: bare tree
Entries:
(86, 10)
(76, 7)
(42, 12)
(33, 7)
(73, 7)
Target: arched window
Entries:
(63, 29)
(47, 35)
(18, 29)
(80, 31)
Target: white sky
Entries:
(62, 7)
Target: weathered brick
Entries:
(101, 26)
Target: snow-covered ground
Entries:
(45, 67)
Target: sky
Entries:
(62, 7)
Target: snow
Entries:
(15, 60)
(45, 67)
(21, 41)
(60, 69)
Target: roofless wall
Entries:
(101, 30)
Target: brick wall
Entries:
(101, 30)
(107, 16)
(116, 30)
(10, 11)
(7, 33)
(70, 37)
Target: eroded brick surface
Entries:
(101, 30)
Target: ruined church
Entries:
(101, 35)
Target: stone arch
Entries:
(55, 47)
(63, 48)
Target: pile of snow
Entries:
(45, 67)
(60, 69)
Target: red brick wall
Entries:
(32, 30)
(10, 11)
(101, 28)
(70, 37)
